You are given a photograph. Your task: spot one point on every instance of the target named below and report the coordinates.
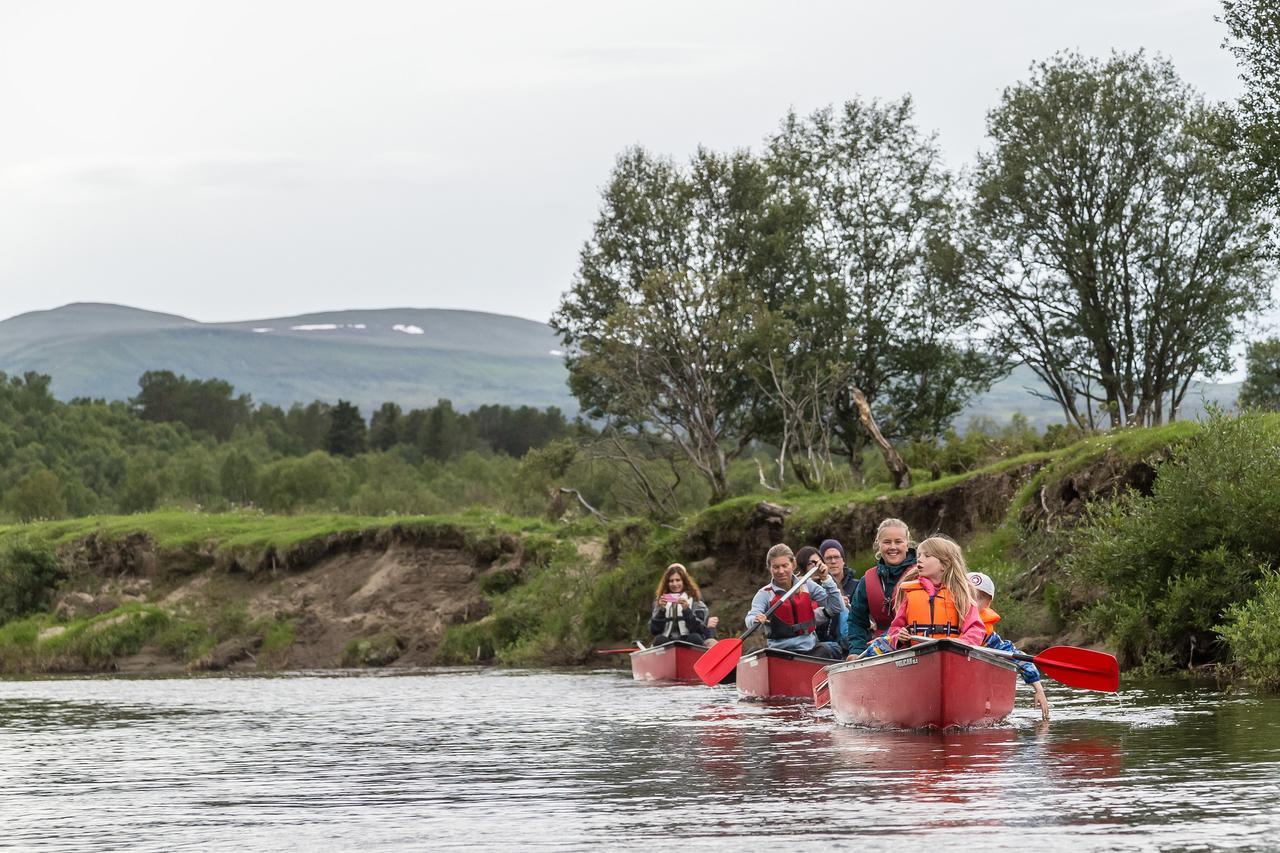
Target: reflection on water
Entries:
(472, 758)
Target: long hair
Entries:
(690, 585)
(803, 556)
(955, 574)
(892, 522)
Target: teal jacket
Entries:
(858, 628)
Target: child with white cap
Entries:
(986, 593)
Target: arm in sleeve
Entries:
(1028, 671)
(759, 604)
(858, 628)
(828, 595)
(658, 620)
(972, 631)
(899, 621)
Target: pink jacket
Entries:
(972, 631)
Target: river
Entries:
(502, 759)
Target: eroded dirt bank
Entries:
(390, 597)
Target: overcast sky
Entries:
(234, 160)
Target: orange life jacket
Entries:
(932, 616)
(989, 620)
(794, 617)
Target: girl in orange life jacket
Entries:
(936, 598)
(678, 611)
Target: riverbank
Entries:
(184, 591)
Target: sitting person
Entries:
(792, 626)
(678, 611)
(831, 553)
(871, 605)
(935, 598)
(986, 592)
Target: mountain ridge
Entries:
(411, 356)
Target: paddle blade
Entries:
(718, 661)
(1083, 668)
(821, 689)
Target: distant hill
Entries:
(1014, 394)
(412, 356)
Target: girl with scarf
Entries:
(678, 611)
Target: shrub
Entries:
(28, 576)
(1164, 569)
(1250, 632)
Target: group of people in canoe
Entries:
(913, 591)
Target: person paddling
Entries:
(871, 606)
(935, 598)
(986, 593)
(678, 611)
(792, 626)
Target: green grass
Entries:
(249, 532)
(83, 644)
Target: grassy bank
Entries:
(548, 593)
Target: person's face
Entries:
(930, 566)
(984, 600)
(782, 569)
(835, 563)
(893, 545)
(675, 583)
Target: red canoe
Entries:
(771, 673)
(668, 662)
(939, 684)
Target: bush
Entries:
(28, 576)
(1164, 569)
(1250, 632)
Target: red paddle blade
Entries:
(821, 689)
(1083, 668)
(718, 661)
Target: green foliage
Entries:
(1261, 388)
(77, 459)
(377, 650)
(543, 620)
(96, 643)
(1254, 26)
(29, 573)
(347, 433)
(37, 495)
(1163, 569)
(201, 405)
(140, 491)
(1111, 238)
(1249, 630)
(983, 443)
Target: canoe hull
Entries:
(775, 674)
(668, 662)
(941, 684)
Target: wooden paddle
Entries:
(616, 651)
(721, 658)
(1069, 665)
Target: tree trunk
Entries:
(897, 468)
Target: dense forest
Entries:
(197, 444)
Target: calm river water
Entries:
(455, 759)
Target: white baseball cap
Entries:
(982, 583)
